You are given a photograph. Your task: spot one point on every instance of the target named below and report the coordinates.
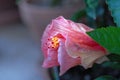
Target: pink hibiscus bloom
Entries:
(66, 44)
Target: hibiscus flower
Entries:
(66, 44)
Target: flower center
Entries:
(54, 42)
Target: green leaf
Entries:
(114, 65)
(92, 8)
(114, 7)
(92, 3)
(114, 61)
(106, 77)
(94, 11)
(91, 13)
(78, 15)
(114, 57)
(108, 37)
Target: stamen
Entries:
(53, 42)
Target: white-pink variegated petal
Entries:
(66, 62)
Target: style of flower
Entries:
(66, 44)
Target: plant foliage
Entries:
(114, 7)
(108, 38)
(106, 77)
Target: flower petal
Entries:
(51, 60)
(88, 59)
(101, 59)
(84, 47)
(75, 46)
(66, 62)
(79, 27)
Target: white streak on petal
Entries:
(88, 59)
(102, 59)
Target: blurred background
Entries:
(22, 23)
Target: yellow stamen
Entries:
(55, 42)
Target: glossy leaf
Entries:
(106, 77)
(91, 13)
(114, 7)
(78, 15)
(108, 37)
(114, 65)
(92, 3)
(114, 57)
(91, 8)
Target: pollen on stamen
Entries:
(53, 42)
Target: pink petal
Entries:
(66, 62)
(86, 28)
(84, 47)
(79, 27)
(101, 59)
(51, 55)
(76, 43)
(51, 60)
(82, 43)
